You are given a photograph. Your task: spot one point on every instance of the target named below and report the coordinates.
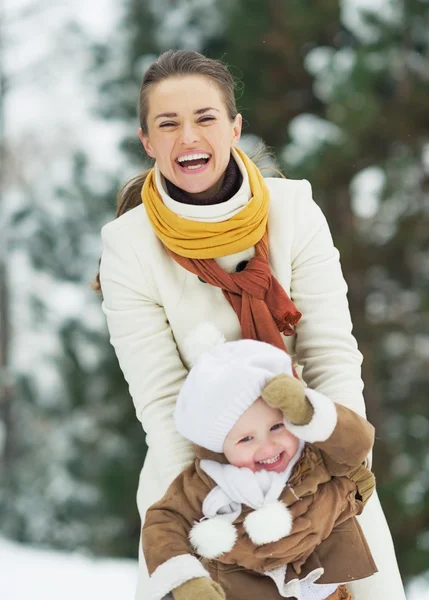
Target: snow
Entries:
(366, 188)
(425, 158)
(34, 574)
(187, 25)
(308, 134)
(31, 573)
(419, 589)
(330, 70)
(50, 70)
(354, 13)
(318, 59)
(63, 301)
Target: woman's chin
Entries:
(201, 191)
(199, 186)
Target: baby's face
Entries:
(260, 441)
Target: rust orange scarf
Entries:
(261, 304)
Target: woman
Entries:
(205, 200)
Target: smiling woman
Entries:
(203, 236)
(190, 133)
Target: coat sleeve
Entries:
(325, 346)
(349, 444)
(145, 347)
(165, 537)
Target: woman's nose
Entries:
(189, 134)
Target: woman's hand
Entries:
(201, 588)
(288, 394)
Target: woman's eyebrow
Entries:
(171, 115)
(200, 111)
(168, 115)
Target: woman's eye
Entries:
(246, 439)
(277, 426)
(206, 119)
(167, 124)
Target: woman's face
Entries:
(260, 441)
(190, 134)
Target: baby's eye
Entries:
(248, 438)
(277, 426)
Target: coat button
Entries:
(241, 266)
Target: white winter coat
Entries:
(151, 304)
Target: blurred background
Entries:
(340, 92)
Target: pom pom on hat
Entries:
(268, 524)
(200, 340)
(212, 537)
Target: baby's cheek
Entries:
(290, 443)
(240, 457)
(250, 464)
(247, 460)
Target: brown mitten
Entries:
(201, 588)
(288, 394)
(365, 482)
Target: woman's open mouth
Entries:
(193, 163)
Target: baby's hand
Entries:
(201, 588)
(288, 394)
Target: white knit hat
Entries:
(221, 386)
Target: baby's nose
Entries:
(268, 450)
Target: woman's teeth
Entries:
(193, 161)
(269, 461)
(193, 166)
(192, 157)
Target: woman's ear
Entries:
(236, 129)
(146, 144)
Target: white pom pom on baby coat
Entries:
(200, 340)
(212, 537)
(269, 523)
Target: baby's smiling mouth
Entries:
(270, 461)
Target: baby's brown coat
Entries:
(323, 495)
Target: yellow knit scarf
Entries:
(194, 239)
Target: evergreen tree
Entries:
(74, 447)
(80, 448)
(341, 96)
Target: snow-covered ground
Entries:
(30, 574)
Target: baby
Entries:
(268, 508)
